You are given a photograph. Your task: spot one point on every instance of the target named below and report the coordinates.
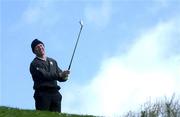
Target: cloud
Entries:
(150, 69)
(99, 15)
(40, 12)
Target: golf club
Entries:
(81, 24)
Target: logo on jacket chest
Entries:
(51, 63)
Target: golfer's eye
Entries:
(40, 46)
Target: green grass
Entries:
(162, 108)
(15, 112)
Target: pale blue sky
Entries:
(128, 51)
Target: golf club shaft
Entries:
(75, 48)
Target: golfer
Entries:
(45, 74)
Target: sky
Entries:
(128, 52)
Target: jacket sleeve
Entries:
(42, 74)
(59, 71)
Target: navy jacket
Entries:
(45, 74)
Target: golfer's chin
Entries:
(41, 55)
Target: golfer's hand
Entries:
(64, 74)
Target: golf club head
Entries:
(81, 23)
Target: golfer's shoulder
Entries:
(34, 61)
(51, 59)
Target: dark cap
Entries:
(34, 43)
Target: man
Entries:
(45, 74)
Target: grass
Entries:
(161, 108)
(15, 112)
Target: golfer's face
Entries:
(39, 50)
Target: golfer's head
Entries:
(37, 47)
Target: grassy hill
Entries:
(161, 108)
(14, 112)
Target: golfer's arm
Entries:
(48, 75)
(40, 73)
(59, 72)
